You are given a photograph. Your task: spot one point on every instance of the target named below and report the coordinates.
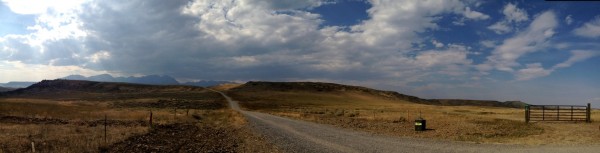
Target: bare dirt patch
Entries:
(180, 138)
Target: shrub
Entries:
(399, 120)
(339, 113)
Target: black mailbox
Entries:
(420, 124)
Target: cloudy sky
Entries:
(535, 51)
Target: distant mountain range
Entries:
(15, 84)
(148, 79)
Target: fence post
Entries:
(588, 113)
(558, 113)
(526, 113)
(32, 146)
(105, 142)
(150, 119)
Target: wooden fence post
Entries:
(588, 113)
(526, 113)
(32, 146)
(150, 119)
(558, 113)
(105, 141)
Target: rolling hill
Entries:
(148, 79)
(61, 88)
(332, 88)
(4, 89)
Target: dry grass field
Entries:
(356, 110)
(73, 121)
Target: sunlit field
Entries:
(392, 117)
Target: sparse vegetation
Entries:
(69, 120)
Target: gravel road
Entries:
(301, 136)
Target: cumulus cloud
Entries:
(270, 40)
(512, 16)
(590, 29)
(242, 39)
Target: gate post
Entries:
(588, 113)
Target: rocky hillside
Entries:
(257, 86)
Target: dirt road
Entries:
(300, 136)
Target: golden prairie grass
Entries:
(394, 117)
(16, 136)
(61, 138)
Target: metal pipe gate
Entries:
(558, 113)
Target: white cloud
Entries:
(488, 43)
(18, 71)
(590, 29)
(501, 27)
(512, 15)
(577, 55)
(569, 19)
(41, 7)
(395, 24)
(533, 39)
(233, 21)
(97, 57)
(441, 58)
(532, 71)
(474, 14)
(437, 44)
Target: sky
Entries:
(540, 52)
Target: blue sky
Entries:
(535, 51)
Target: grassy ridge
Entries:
(331, 88)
